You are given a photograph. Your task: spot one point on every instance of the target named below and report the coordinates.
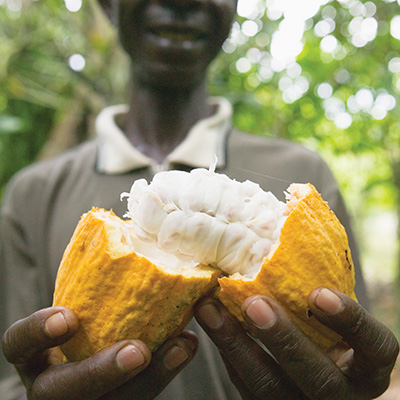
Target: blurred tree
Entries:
(53, 78)
(322, 72)
(339, 93)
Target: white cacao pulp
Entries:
(207, 217)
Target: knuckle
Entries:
(43, 388)
(269, 390)
(376, 388)
(391, 349)
(328, 385)
(358, 323)
(266, 386)
(17, 342)
(94, 373)
(287, 342)
(10, 346)
(5, 345)
(386, 349)
(232, 347)
(386, 356)
(284, 339)
(381, 342)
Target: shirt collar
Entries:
(204, 142)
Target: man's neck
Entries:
(160, 118)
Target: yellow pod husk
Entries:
(313, 251)
(118, 294)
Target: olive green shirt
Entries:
(44, 202)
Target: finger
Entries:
(375, 347)
(175, 354)
(374, 342)
(28, 338)
(94, 376)
(248, 364)
(118, 372)
(315, 374)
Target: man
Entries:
(171, 123)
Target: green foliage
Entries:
(261, 105)
(39, 90)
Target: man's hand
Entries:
(124, 370)
(294, 367)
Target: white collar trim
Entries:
(204, 142)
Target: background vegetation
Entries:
(333, 85)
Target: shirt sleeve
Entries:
(19, 294)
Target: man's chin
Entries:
(158, 75)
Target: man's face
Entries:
(171, 42)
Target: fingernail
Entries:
(210, 315)
(130, 358)
(328, 301)
(175, 357)
(56, 325)
(261, 313)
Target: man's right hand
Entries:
(124, 370)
